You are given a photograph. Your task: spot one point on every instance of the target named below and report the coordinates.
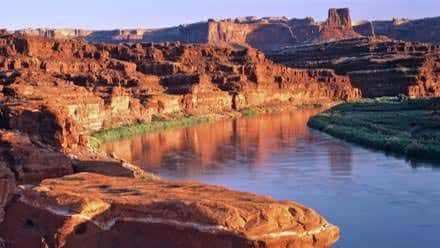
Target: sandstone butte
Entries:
(56, 89)
(377, 65)
(266, 34)
(55, 93)
(262, 33)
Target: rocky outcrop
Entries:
(425, 30)
(91, 210)
(262, 33)
(30, 161)
(378, 66)
(106, 86)
(266, 34)
(337, 27)
(54, 93)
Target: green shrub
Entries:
(247, 112)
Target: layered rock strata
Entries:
(54, 93)
(377, 66)
(262, 33)
(90, 210)
(62, 90)
(269, 33)
(420, 30)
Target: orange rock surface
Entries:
(54, 93)
(31, 161)
(266, 34)
(61, 90)
(90, 210)
(377, 66)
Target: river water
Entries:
(376, 199)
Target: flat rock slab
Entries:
(91, 210)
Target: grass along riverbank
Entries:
(128, 131)
(159, 123)
(397, 125)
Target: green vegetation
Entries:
(157, 124)
(248, 112)
(309, 106)
(397, 125)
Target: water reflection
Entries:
(250, 141)
(340, 158)
(377, 200)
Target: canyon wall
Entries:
(378, 66)
(61, 90)
(54, 192)
(421, 30)
(265, 34)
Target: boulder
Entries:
(90, 210)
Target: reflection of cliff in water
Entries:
(340, 158)
(244, 141)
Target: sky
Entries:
(111, 14)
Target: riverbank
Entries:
(405, 127)
(161, 123)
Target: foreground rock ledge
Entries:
(91, 210)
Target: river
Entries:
(377, 200)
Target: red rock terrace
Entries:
(377, 66)
(55, 93)
(61, 90)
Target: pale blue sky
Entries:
(108, 14)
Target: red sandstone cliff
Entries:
(420, 30)
(378, 66)
(265, 34)
(61, 90)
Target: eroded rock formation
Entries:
(265, 34)
(421, 30)
(61, 90)
(90, 210)
(337, 27)
(54, 93)
(31, 161)
(378, 66)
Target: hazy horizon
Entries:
(113, 14)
